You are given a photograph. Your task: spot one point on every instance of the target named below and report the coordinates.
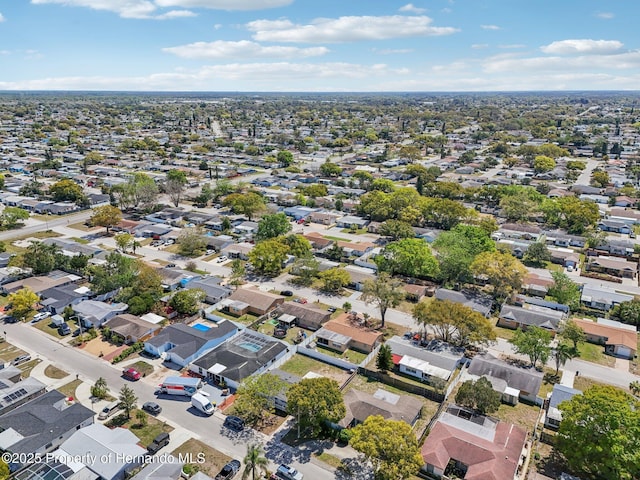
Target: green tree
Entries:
(479, 395)
(635, 388)
(627, 312)
(298, 246)
(600, 178)
(272, 226)
(316, 190)
(389, 445)
(285, 158)
(41, 257)
(12, 217)
(396, 230)
(255, 462)
(564, 290)
(192, 242)
(334, 279)
(542, 164)
(142, 418)
(248, 204)
(518, 208)
(561, 353)
(535, 342)
(5, 473)
(255, 397)
(329, 169)
(571, 213)
(314, 401)
(238, 271)
(127, 399)
(187, 302)
(572, 332)
(503, 271)
(175, 185)
(305, 269)
(410, 256)
(599, 433)
(22, 302)
(384, 292)
(124, 241)
(106, 216)
(384, 359)
(537, 254)
(383, 184)
(268, 257)
(100, 389)
(66, 191)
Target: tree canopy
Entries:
(384, 291)
(106, 216)
(314, 401)
(254, 402)
(502, 270)
(535, 342)
(479, 395)
(273, 225)
(410, 256)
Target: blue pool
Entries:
(201, 327)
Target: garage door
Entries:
(624, 352)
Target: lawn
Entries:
(349, 355)
(69, 390)
(80, 226)
(246, 319)
(55, 372)
(595, 353)
(146, 433)
(40, 234)
(8, 352)
(357, 231)
(506, 333)
(143, 367)
(48, 327)
(292, 333)
(522, 414)
(28, 366)
(336, 239)
(300, 365)
(213, 459)
(584, 383)
(82, 241)
(329, 459)
(174, 248)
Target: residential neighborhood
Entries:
(194, 285)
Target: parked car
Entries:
(222, 258)
(152, 407)
(64, 330)
(229, 470)
(210, 252)
(301, 300)
(160, 441)
(77, 332)
(131, 374)
(40, 316)
(170, 265)
(234, 423)
(286, 472)
(20, 360)
(286, 293)
(331, 309)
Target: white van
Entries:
(109, 410)
(202, 403)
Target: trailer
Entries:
(180, 386)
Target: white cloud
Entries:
(559, 64)
(345, 29)
(242, 49)
(124, 8)
(512, 46)
(1, 18)
(411, 8)
(582, 47)
(176, 14)
(605, 15)
(392, 51)
(490, 27)
(225, 4)
(478, 46)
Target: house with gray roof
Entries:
(56, 299)
(307, 316)
(476, 302)
(512, 382)
(14, 391)
(43, 424)
(515, 317)
(246, 354)
(559, 394)
(438, 359)
(602, 298)
(169, 469)
(181, 344)
(119, 445)
(93, 313)
(361, 405)
(211, 287)
(71, 248)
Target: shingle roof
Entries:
(307, 314)
(361, 405)
(256, 298)
(478, 303)
(188, 340)
(613, 335)
(441, 357)
(523, 379)
(549, 319)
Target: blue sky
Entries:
(319, 45)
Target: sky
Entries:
(319, 45)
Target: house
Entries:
(565, 257)
(56, 299)
(437, 361)
(391, 406)
(358, 276)
(71, 248)
(307, 316)
(38, 284)
(211, 287)
(93, 313)
(169, 469)
(536, 285)
(317, 241)
(181, 344)
(473, 447)
(351, 221)
(246, 354)
(617, 267)
(602, 298)
(132, 329)
(559, 394)
(324, 218)
(624, 201)
(353, 249)
(280, 398)
(476, 302)
(512, 382)
(253, 300)
(415, 293)
(173, 278)
(515, 317)
(347, 331)
(119, 445)
(14, 391)
(619, 340)
(237, 250)
(615, 226)
(42, 424)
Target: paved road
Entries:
(34, 226)
(175, 411)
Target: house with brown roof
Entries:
(348, 331)
(324, 218)
(464, 445)
(361, 405)
(131, 328)
(306, 316)
(617, 267)
(618, 339)
(252, 300)
(353, 249)
(39, 284)
(317, 241)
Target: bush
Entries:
(135, 348)
(344, 436)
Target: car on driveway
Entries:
(152, 407)
(285, 472)
(221, 259)
(40, 316)
(286, 293)
(131, 374)
(229, 470)
(64, 330)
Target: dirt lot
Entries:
(97, 346)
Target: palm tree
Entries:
(254, 461)
(561, 354)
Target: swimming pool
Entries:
(252, 347)
(201, 327)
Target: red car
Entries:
(131, 374)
